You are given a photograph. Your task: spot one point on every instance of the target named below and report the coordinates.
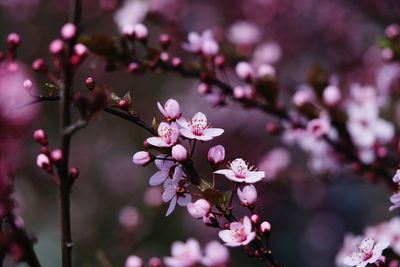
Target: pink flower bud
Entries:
(133, 67)
(219, 61)
(129, 218)
(179, 152)
(56, 155)
(387, 53)
(392, 31)
(210, 220)
(90, 83)
(216, 155)
(266, 70)
(80, 50)
(255, 219)
(40, 66)
(203, 89)
(40, 136)
(141, 32)
(164, 56)
(265, 227)
(248, 195)
(331, 95)
(133, 261)
(28, 84)
(165, 40)
(141, 158)
(73, 172)
(155, 262)
(239, 92)
(171, 109)
(43, 161)
(68, 31)
(176, 62)
(128, 30)
(13, 41)
(199, 209)
(244, 70)
(301, 97)
(56, 47)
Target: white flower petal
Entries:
(214, 132)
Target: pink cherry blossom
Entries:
(175, 191)
(244, 70)
(164, 167)
(167, 135)
(198, 128)
(199, 209)
(42, 161)
(216, 154)
(244, 33)
(248, 195)
(171, 110)
(265, 227)
(368, 251)
(184, 254)
(239, 234)
(215, 255)
(239, 171)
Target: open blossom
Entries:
(171, 110)
(175, 191)
(318, 127)
(248, 195)
(204, 43)
(215, 255)
(198, 128)
(350, 244)
(199, 209)
(164, 167)
(239, 234)
(167, 135)
(368, 251)
(240, 172)
(184, 254)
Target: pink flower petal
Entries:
(228, 173)
(250, 237)
(171, 207)
(184, 200)
(169, 190)
(158, 178)
(214, 132)
(187, 133)
(158, 142)
(353, 259)
(162, 110)
(253, 177)
(225, 235)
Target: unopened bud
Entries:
(56, 155)
(68, 31)
(90, 83)
(179, 152)
(57, 47)
(165, 40)
(155, 262)
(40, 136)
(40, 66)
(265, 227)
(255, 219)
(176, 62)
(13, 41)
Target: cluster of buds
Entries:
(390, 43)
(48, 159)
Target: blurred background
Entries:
(114, 211)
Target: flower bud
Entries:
(301, 97)
(133, 261)
(176, 62)
(219, 61)
(179, 152)
(255, 219)
(43, 161)
(165, 40)
(68, 31)
(392, 31)
(210, 47)
(199, 209)
(331, 95)
(40, 66)
(164, 57)
(244, 70)
(203, 88)
(13, 41)
(387, 53)
(141, 32)
(265, 227)
(73, 173)
(56, 155)
(216, 155)
(155, 262)
(239, 92)
(40, 136)
(56, 47)
(90, 83)
(266, 70)
(128, 31)
(248, 195)
(210, 220)
(28, 85)
(141, 158)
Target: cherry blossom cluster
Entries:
(48, 159)
(379, 244)
(186, 255)
(172, 151)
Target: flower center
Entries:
(197, 125)
(239, 167)
(239, 234)
(166, 133)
